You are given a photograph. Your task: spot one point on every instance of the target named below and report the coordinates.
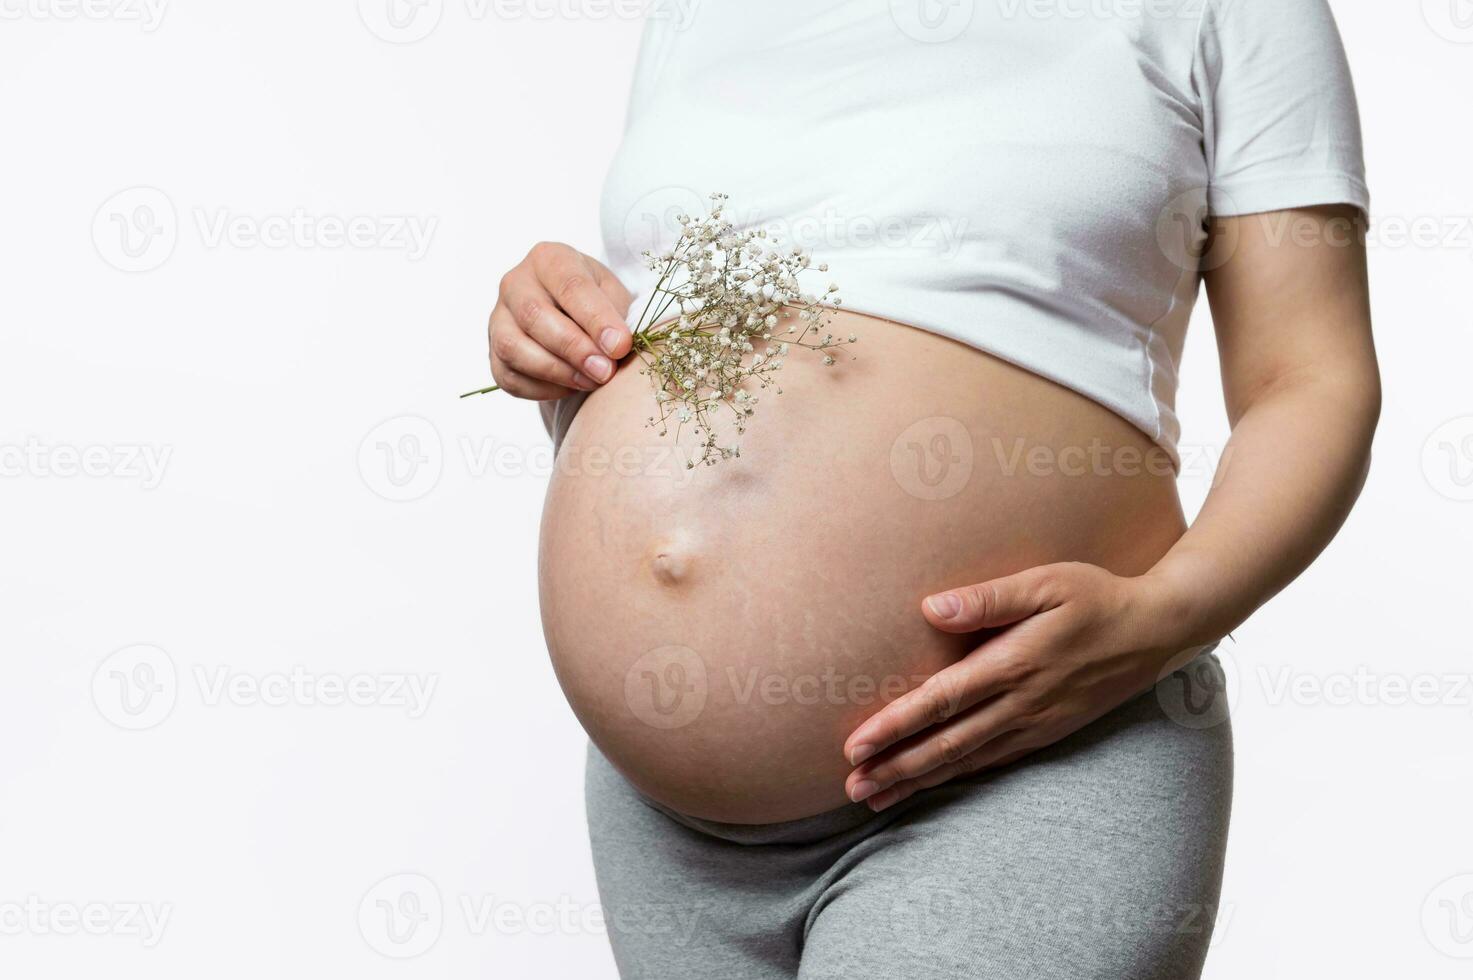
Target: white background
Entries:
(268, 540)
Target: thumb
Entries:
(999, 602)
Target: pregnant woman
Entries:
(921, 685)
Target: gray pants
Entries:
(1098, 857)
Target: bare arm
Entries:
(1303, 394)
(1292, 314)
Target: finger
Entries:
(514, 351)
(935, 748)
(511, 346)
(999, 752)
(571, 280)
(943, 696)
(621, 297)
(537, 315)
(520, 385)
(1000, 602)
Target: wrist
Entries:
(1169, 613)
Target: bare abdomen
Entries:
(720, 632)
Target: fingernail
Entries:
(881, 802)
(863, 790)
(584, 381)
(598, 367)
(945, 606)
(860, 753)
(608, 340)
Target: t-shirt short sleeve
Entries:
(1280, 124)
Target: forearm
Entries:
(1290, 474)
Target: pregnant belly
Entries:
(719, 632)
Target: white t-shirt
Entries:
(1029, 177)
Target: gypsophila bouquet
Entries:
(737, 296)
(726, 310)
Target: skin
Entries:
(813, 552)
(1303, 395)
(1067, 642)
(558, 324)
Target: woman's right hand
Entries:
(558, 325)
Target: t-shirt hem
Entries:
(1263, 194)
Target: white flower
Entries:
(728, 290)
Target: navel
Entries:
(671, 561)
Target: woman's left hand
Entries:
(1079, 641)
